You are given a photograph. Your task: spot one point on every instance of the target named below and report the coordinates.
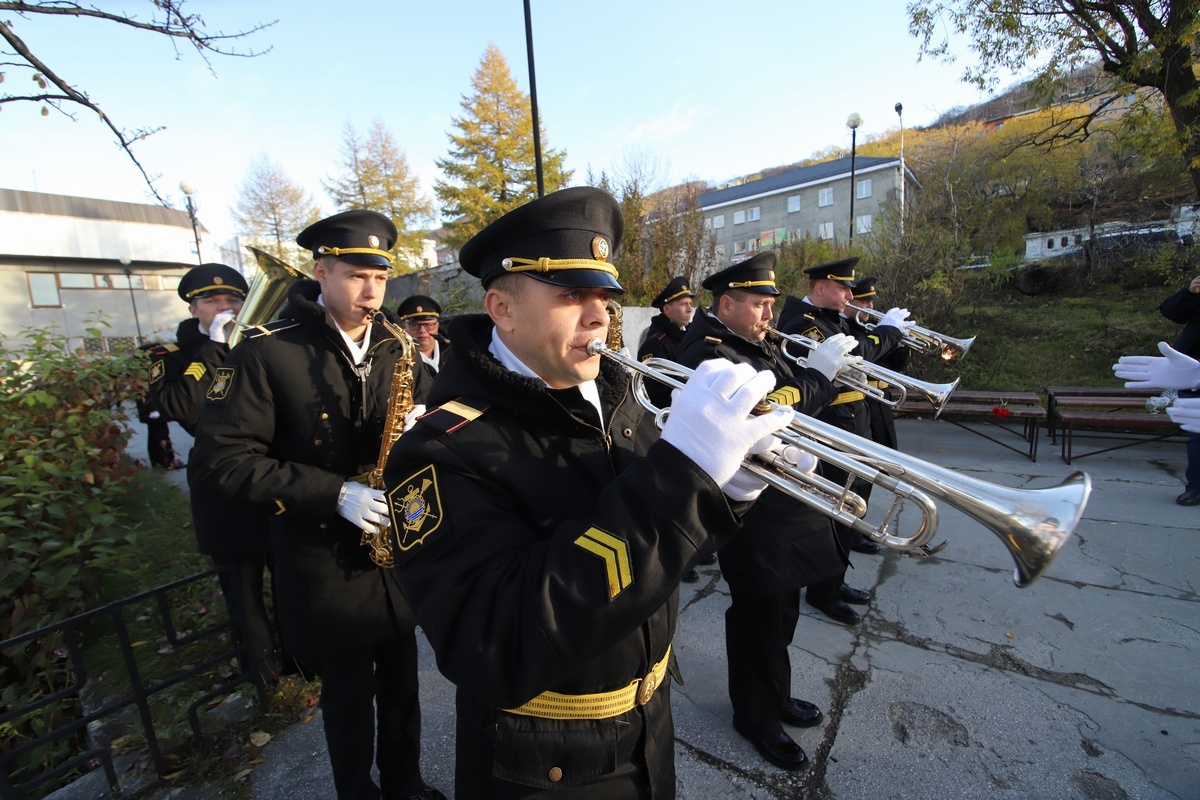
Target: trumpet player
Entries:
(784, 544)
(292, 422)
(883, 424)
(819, 316)
(543, 524)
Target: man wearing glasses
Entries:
(421, 316)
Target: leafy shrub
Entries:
(62, 474)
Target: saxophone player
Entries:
(293, 423)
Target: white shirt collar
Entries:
(509, 361)
(358, 350)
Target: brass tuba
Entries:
(268, 291)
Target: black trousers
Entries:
(242, 584)
(860, 425)
(362, 688)
(758, 631)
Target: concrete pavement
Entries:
(956, 684)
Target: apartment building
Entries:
(812, 201)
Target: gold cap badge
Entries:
(599, 248)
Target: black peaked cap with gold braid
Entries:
(677, 288)
(419, 306)
(841, 271)
(358, 236)
(755, 275)
(209, 279)
(866, 289)
(566, 238)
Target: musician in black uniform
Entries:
(543, 525)
(819, 316)
(883, 423)
(422, 317)
(233, 534)
(293, 423)
(675, 307)
(784, 544)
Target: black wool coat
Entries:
(288, 419)
(543, 552)
(662, 341)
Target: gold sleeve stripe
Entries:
(614, 553)
(195, 370)
(786, 396)
(282, 507)
(874, 338)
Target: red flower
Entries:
(1001, 411)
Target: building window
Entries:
(752, 245)
(825, 198)
(739, 217)
(739, 248)
(1065, 241)
(752, 214)
(1049, 244)
(825, 230)
(77, 280)
(43, 290)
(864, 188)
(862, 224)
(793, 204)
(718, 221)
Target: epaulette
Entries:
(809, 316)
(164, 349)
(268, 328)
(658, 337)
(449, 417)
(712, 340)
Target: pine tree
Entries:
(374, 174)
(490, 169)
(271, 207)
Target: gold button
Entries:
(627, 433)
(317, 442)
(325, 415)
(646, 690)
(555, 774)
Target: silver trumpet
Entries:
(1033, 524)
(936, 393)
(923, 340)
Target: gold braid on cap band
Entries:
(748, 284)
(837, 277)
(338, 252)
(868, 294)
(678, 295)
(556, 264)
(433, 314)
(224, 287)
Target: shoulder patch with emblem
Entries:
(415, 506)
(157, 370)
(814, 333)
(222, 383)
(449, 417)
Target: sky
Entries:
(706, 89)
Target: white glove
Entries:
(218, 331)
(365, 507)
(410, 418)
(744, 486)
(1186, 413)
(833, 355)
(709, 420)
(1175, 371)
(897, 318)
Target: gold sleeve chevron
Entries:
(786, 396)
(615, 555)
(195, 370)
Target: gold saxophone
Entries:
(400, 403)
(616, 335)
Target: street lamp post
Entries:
(125, 264)
(903, 177)
(852, 122)
(188, 190)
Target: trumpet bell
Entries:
(953, 349)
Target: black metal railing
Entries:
(139, 694)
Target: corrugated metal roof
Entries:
(57, 205)
(794, 177)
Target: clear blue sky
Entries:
(711, 89)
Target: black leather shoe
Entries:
(778, 748)
(1189, 498)
(852, 595)
(691, 576)
(708, 561)
(864, 545)
(429, 794)
(836, 609)
(800, 713)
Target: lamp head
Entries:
(900, 109)
(853, 121)
(187, 188)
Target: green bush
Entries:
(63, 473)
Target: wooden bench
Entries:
(1121, 413)
(1055, 394)
(965, 405)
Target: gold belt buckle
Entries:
(647, 687)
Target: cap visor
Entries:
(365, 260)
(580, 279)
